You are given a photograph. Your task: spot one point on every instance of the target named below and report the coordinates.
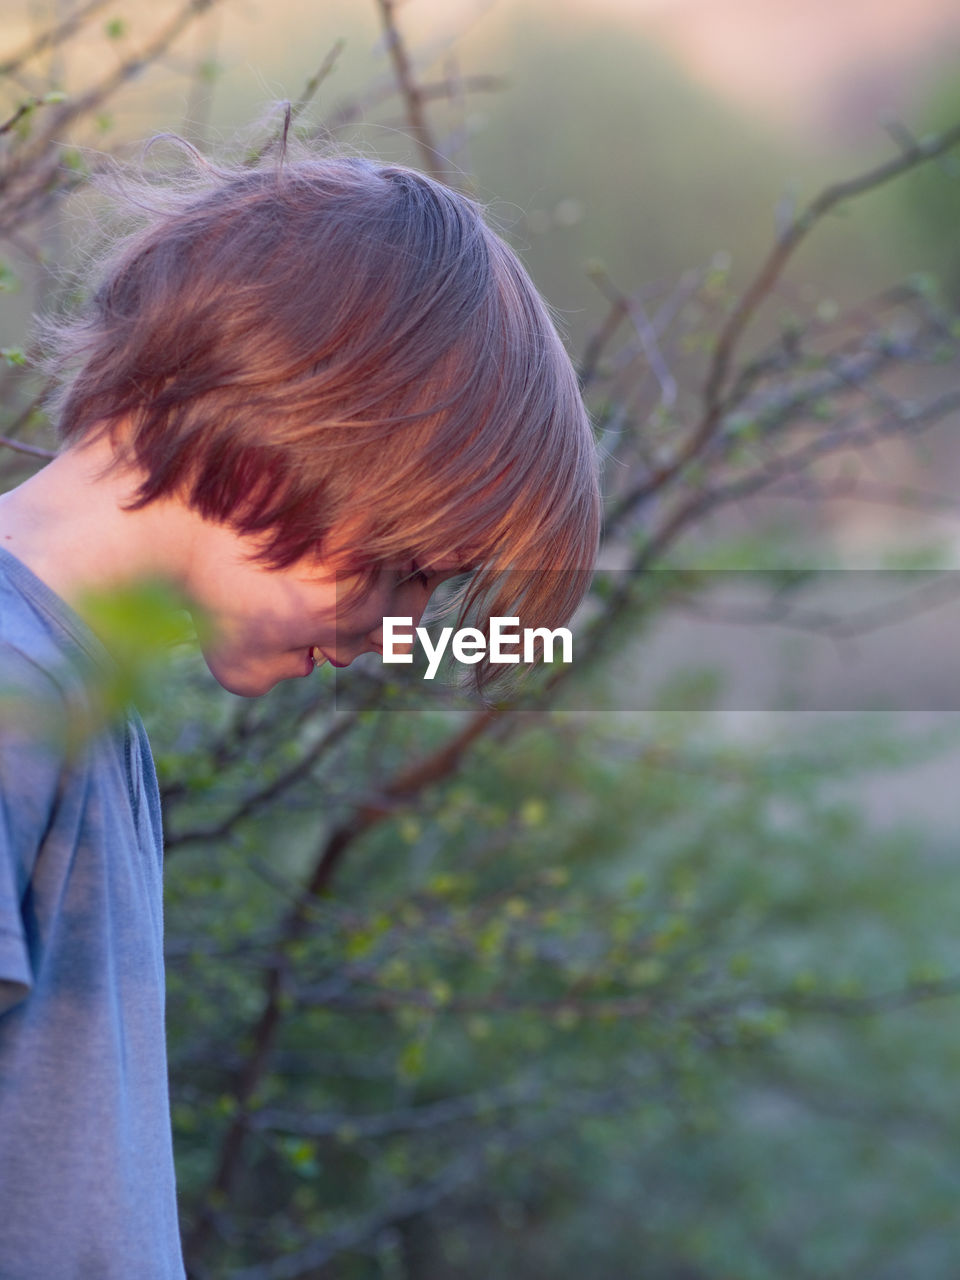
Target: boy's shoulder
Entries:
(40, 649)
(42, 682)
(29, 649)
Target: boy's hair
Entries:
(341, 358)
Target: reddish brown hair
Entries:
(342, 359)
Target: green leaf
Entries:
(411, 1062)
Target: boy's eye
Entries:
(421, 576)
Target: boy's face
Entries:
(262, 625)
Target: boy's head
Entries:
(340, 360)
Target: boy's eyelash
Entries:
(421, 575)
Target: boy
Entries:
(303, 396)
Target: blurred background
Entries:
(564, 989)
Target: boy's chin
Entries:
(245, 683)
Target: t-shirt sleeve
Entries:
(31, 763)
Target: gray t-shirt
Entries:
(86, 1163)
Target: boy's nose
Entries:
(413, 605)
(375, 640)
(347, 652)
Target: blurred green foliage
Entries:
(139, 626)
(611, 1000)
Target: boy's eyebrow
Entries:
(452, 564)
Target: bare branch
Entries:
(296, 109)
(427, 1193)
(856, 488)
(648, 340)
(323, 72)
(52, 37)
(759, 289)
(33, 450)
(59, 120)
(410, 92)
(600, 339)
(784, 611)
(871, 1004)
(272, 791)
(24, 109)
(405, 785)
(413, 1119)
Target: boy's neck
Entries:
(68, 524)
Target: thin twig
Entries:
(600, 339)
(296, 109)
(848, 488)
(33, 450)
(24, 109)
(651, 349)
(410, 92)
(354, 109)
(52, 37)
(94, 97)
(323, 72)
(272, 791)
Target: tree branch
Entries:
(410, 92)
(761, 286)
(52, 37)
(405, 785)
